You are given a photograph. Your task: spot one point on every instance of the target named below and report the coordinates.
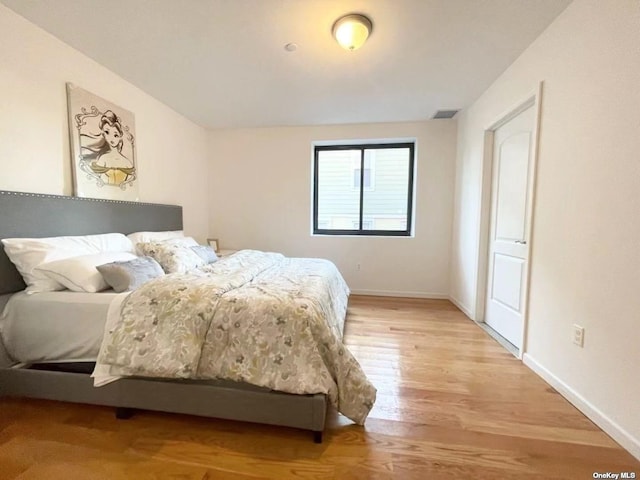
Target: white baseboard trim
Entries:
(615, 431)
(391, 293)
(459, 304)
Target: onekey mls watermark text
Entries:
(614, 475)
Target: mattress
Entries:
(55, 326)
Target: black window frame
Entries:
(362, 147)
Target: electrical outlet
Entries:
(357, 266)
(578, 335)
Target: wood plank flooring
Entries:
(452, 403)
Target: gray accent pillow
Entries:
(129, 275)
(206, 253)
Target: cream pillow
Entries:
(80, 274)
(173, 256)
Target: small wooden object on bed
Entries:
(39, 215)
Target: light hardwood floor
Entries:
(452, 403)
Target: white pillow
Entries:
(80, 274)
(28, 253)
(144, 237)
(183, 242)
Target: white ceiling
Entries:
(222, 63)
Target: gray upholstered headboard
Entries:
(38, 215)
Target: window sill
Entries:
(330, 235)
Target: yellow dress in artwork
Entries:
(114, 168)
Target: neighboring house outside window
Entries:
(363, 189)
(368, 178)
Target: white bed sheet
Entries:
(55, 326)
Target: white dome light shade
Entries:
(351, 31)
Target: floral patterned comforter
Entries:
(253, 317)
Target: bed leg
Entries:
(124, 413)
(317, 437)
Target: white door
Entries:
(508, 251)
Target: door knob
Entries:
(521, 242)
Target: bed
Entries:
(60, 371)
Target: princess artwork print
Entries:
(103, 147)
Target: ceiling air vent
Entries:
(445, 114)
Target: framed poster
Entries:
(213, 243)
(103, 147)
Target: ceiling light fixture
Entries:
(351, 31)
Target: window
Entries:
(363, 189)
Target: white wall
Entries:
(34, 139)
(261, 187)
(586, 239)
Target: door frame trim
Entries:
(533, 99)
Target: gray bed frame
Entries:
(39, 215)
